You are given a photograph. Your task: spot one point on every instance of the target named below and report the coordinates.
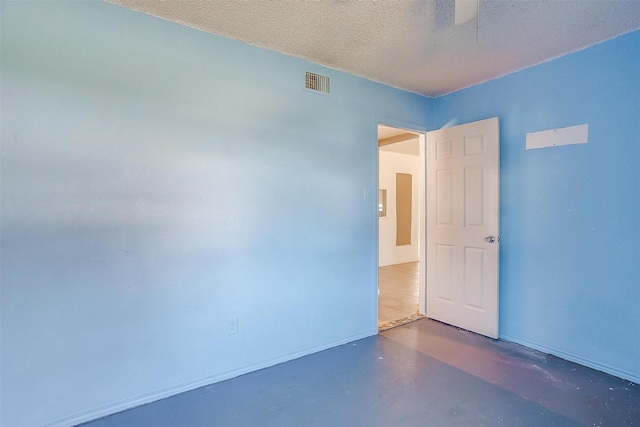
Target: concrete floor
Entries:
(423, 373)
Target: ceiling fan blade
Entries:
(465, 10)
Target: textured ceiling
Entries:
(410, 44)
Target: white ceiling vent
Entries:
(317, 82)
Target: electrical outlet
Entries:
(232, 326)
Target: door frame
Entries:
(422, 191)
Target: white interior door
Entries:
(463, 213)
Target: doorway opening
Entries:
(401, 226)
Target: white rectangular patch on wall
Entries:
(555, 137)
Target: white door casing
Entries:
(463, 216)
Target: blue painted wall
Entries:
(158, 181)
(570, 215)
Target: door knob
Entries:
(489, 239)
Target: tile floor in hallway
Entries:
(398, 298)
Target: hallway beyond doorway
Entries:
(398, 298)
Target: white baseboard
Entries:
(121, 405)
(573, 358)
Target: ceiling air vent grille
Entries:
(317, 82)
